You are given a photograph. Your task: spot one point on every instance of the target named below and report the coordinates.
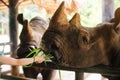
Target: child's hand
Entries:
(39, 59)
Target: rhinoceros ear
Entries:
(75, 20)
(117, 15)
(116, 20)
(20, 18)
(59, 16)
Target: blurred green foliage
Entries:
(32, 11)
(117, 3)
(4, 22)
(91, 13)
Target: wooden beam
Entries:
(102, 69)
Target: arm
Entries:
(19, 62)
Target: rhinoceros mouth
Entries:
(56, 58)
(24, 49)
(53, 50)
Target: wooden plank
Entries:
(11, 77)
(102, 69)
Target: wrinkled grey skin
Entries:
(30, 38)
(74, 45)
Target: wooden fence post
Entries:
(79, 75)
(13, 11)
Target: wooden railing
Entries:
(79, 72)
(5, 43)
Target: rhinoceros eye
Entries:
(84, 39)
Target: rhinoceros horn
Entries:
(75, 20)
(117, 16)
(26, 33)
(116, 20)
(59, 16)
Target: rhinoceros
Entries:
(75, 45)
(30, 39)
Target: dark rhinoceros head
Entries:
(73, 45)
(30, 36)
